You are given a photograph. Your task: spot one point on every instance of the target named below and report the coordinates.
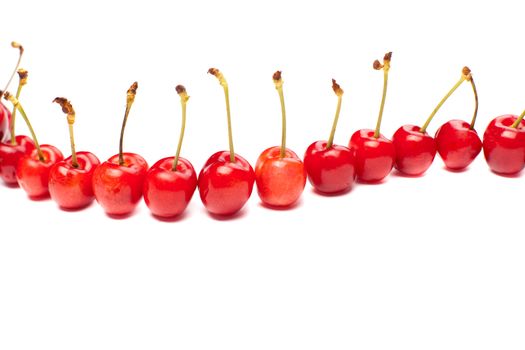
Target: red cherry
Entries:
(171, 182)
(71, 187)
(330, 168)
(10, 155)
(5, 117)
(457, 144)
(374, 156)
(118, 188)
(225, 186)
(226, 180)
(118, 182)
(32, 172)
(415, 150)
(504, 144)
(280, 180)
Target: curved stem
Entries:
(20, 48)
(339, 92)
(518, 121)
(17, 105)
(74, 160)
(283, 130)
(130, 98)
(477, 103)
(377, 131)
(13, 116)
(429, 119)
(183, 101)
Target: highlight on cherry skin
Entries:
(170, 183)
(504, 144)
(279, 173)
(330, 167)
(375, 154)
(226, 180)
(70, 180)
(118, 182)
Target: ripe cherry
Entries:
(226, 180)
(118, 182)
(504, 144)
(171, 182)
(375, 154)
(5, 114)
(279, 173)
(70, 180)
(330, 168)
(32, 170)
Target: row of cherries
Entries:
(226, 181)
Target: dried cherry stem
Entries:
(130, 98)
(22, 74)
(181, 90)
(67, 108)
(278, 81)
(339, 92)
(217, 73)
(18, 106)
(386, 68)
(20, 48)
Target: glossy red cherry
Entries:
(458, 144)
(10, 155)
(118, 182)
(226, 180)
(70, 181)
(415, 150)
(280, 175)
(225, 186)
(375, 154)
(5, 117)
(171, 182)
(504, 144)
(330, 168)
(32, 171)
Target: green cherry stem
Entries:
(518, 121)
(181, 90)
(22, 74)
(224, 84)
(386, 68)
(20, 48)
(475, 91)
(17, 104)
(339, 92)
(67, 108)
(278, 81)
(130, 98)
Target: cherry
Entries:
(330, 168)
(226, 180)
(171, 182)
(32, 170)
(5, 114)
(70, 181)
(375, 154)
(118, 182)
(504, 144)
(279, 173)
(457, 141)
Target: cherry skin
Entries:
(118, 188)
(70, 187)
(330, 170)
(504, 146)
(280, 181)
(415, 151)
(457, 144)
(33, 174)
(167, 192)
(225, 186)
(11, 154)
(5, 117)
(375, 157)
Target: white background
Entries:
(435, 262)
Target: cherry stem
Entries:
(70, 112)
(130, 98)
(277, 80)
(465, 75)
(13, 117)
(518, 121)
(20, 48)
(339, 92)
(18, 106)
(476, 103)
(181, 90)
(224, 84)
(386, 68)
